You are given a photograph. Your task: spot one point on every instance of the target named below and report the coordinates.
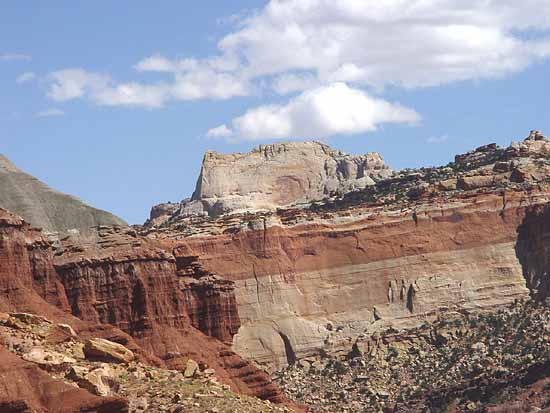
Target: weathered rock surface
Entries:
(166, 304)
(488, 362)
(56, 213)
(25, 388)
(101, 349)
(405, 250)
(33, 387)
(276, 175)
(119, 281)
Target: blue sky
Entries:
(116, 102)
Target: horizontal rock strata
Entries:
(272, 176)
(398, 253)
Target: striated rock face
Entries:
(417, 245)
(27, 278)
(278, 175)
(120, 281)
(210, 300)
(172, 307)
(56, 213)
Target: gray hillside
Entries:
(46, 208)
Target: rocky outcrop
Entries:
(24, 388)
(210, 300)
(56, 213)
(118, 281)
(469, 362)
(276, 175)
(139, 286)
(28, 281)
(408, 249)
(60, 377)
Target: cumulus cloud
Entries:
(48, 113)
(410, 43)
(221, 131)
(290, 82)
(25, 77)
(7, 57)
(329, 110)
(304, 46)
(190, 81)
(69, 84)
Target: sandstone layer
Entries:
(406, 250)
(56, 213)
(124, 283)
(273, 176)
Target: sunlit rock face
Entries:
(56, 213)
(410, 248)
(277, 175)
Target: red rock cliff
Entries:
(413, 246)
(126, 281)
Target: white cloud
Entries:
(329, 110)
(295, 46)
(410, 43)
(25, 77)
(131, 94)
(191, 80)
(289, 83)
(48, 113)
(69, 84)
(221, 131)
(14, 56)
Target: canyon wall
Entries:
(533, 250)
(28, 281)
(169, 306)
(316, 287)
(123, 288)
(406, 250)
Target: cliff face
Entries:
(27, 278)
(533, 250)
(276, 175)
(408, 249)
(210, 300)
(56, 213)
(169, 305)
(122, 283)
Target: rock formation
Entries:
(124, 283)
(411, 247)
(282, 282)
(61, 375)
(56, 213)
(276, 175)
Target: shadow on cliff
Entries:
(533, 250)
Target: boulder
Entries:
(105, 350)
(48, 360)
(191, 368)
(98, 381)
(468, 183)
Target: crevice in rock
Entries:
(410, 298)
(289, 351)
